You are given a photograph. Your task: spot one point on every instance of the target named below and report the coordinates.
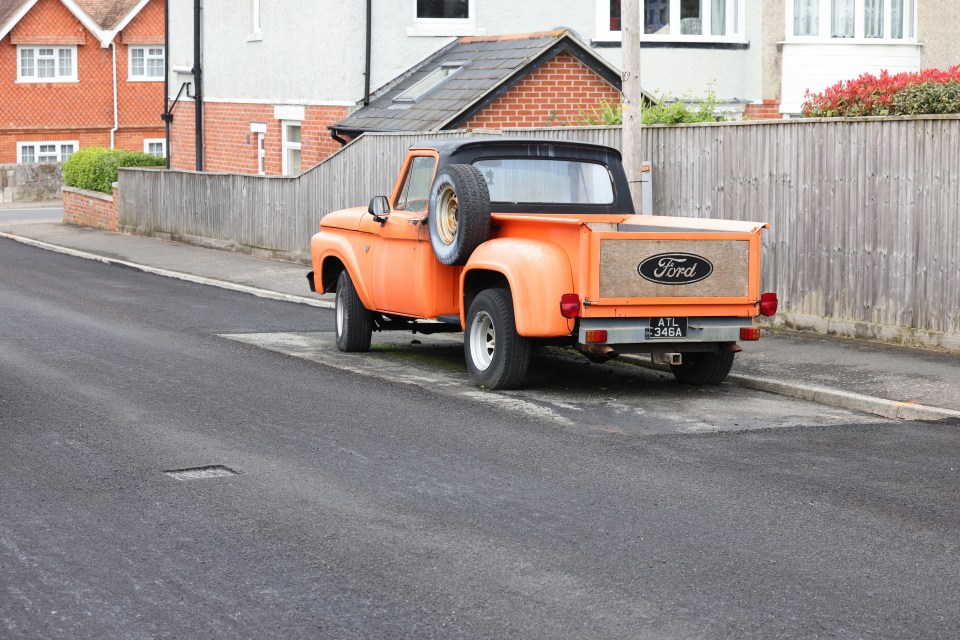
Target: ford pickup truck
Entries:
(520, 243)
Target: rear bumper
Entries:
(633, 331)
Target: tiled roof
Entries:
(8, 8)
(106, 13)
(485, 64)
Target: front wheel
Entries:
(703, 368)
(354, 321)
(497, 356)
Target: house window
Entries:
(427, 84)
(146, 63)
(445, 18)
(46, 64)
(50, 151)
(155, 147)
(291, 148)
(443, 9)
(676, 20)
(851, 19)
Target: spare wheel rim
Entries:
(447, 215)
(483, 340)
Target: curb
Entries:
(821, 395)
(178, 275)
(830, 397)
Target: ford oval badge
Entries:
(675, 268)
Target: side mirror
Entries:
(379, 208)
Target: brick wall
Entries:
(91, 208)
(551, 95)
(81, 110)
(229, 146)
(766, 110)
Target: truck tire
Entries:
(703, 368)
(354, 321)
(497, 356)
(458, 214)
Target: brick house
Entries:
(79, 73)
(518, 80)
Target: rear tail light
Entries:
(749, 333)
(596, 335)
(768, 304)
(570, 305)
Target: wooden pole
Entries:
(632, 95)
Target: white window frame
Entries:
(825, 25)
(36, 148)
(735, 27)
(146, 57)
(58, 77)
(161, 141)
(286, 145)
(256, 32)
(433, 27)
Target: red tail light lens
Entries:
(768, 304)
(749, 333)
(596, 335)
(570, 305)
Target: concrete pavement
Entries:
(890, 381)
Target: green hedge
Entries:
(929, 97)
(95, 168)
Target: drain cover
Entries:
(201, 473)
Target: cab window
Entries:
(415, 192)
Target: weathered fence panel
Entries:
(865, 236)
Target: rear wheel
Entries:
(354, 321)
(497, 356)
(703, 368)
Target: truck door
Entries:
(395, 252)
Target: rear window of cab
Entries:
(547, 181)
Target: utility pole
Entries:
(632, 96)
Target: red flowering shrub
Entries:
(871, 95)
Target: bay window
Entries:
(889, 20)
(677, 20)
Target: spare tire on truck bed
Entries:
(459, 213)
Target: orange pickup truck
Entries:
(520, 242)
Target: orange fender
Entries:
(539, 274)
(325, 246)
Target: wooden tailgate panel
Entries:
(620, 259)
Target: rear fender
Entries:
(538, 274)
(330, 254)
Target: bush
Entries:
(871, 95)
(668, 110)
(929, 97)
(605, 113)
(95, 168)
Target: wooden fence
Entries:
(865, 213)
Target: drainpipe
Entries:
(166, 76)
(116, 111)
(366, 73)
(198, 80)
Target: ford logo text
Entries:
(675, 268)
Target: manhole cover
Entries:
(201, 473)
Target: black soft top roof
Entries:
(469, 150)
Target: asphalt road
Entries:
(365, 506)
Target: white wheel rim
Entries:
(340, 311)
(447, 219)
(483, 340)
